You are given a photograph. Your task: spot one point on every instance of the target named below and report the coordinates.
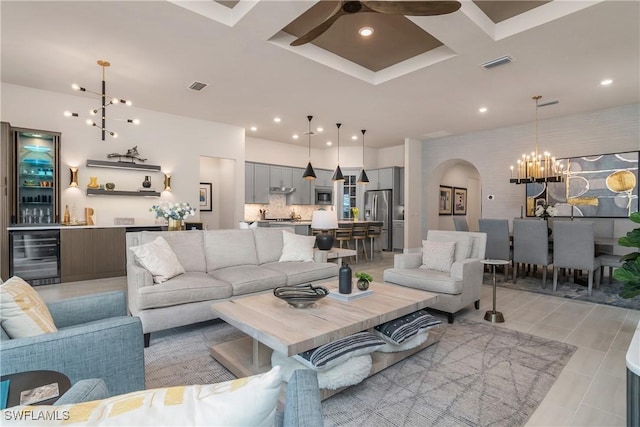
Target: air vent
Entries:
(497, 62)
(547, 103)
(197, 86)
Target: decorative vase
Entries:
(110, 186)
(93, 182)
(344, 279)
(363, 284)
(175, 225)
(147, 182)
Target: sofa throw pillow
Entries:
(413, 342)
(398, 330)
(296, 247)
(158, 257)
(22, 312)
(437, 255)
(334, 353)
(247, 401)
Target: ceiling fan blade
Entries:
(319, 29)
(413, 8)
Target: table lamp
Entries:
(324, 220)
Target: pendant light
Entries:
(309, 174)
(363, 178)
(337, 175)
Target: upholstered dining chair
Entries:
(531, 246)
(460, 223)
(498, 241)
(574, 247)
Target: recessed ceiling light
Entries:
(253, 128)
(319, 129)
(354, 137)
(482, 109)
(606, 82)
(276, 119)
(329, 143)
(295, 136)
(365, 31)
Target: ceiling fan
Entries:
(411, 8)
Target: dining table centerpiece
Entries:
(545, 211)
(174, 213)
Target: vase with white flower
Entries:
(174, 213)
(545, 211)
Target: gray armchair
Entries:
(95, 339)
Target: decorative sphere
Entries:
(363, 285)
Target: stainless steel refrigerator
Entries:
(378, 206)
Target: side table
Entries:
(32, 379)
(493, 315)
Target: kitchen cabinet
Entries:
(280, 176)
(256, 183)
(92, 253)
(302, 193)
(373, 180)
(385, 179)
(323, 178)
(398, 235)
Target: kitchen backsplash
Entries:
(278, 208)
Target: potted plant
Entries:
(629, 273)
(363, 281)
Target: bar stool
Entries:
(343, 234)
(359, 233)
(373, 233)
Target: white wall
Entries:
(173, 142)
(220, 173)
(492, 151)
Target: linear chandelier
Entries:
(536, 167)
(102, 110)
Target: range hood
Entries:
(281, 190)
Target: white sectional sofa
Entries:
(456, 288)
(218, 264)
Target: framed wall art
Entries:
(459, 201)
(597, 186)
(444, 202)
(204, 197)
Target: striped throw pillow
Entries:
(334, 353)
(22, 312)
(398, 330)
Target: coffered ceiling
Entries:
(415, 77)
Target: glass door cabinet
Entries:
(36, 184)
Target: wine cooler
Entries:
(34, 255)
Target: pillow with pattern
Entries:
(437, 255)
(398, 330)
(334, 353)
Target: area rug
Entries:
(607, 293)
(477, 375)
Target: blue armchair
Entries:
(95, 339)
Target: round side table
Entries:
(32, 379)
(493, 315)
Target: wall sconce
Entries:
(73, 177)
(167, 182)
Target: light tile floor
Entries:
(591, 390)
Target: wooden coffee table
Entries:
(271, 324)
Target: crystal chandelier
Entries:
(537, 166)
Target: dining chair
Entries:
(498, 241)
(609, 260)
(460, 223)
(531, 246)
(574, 247)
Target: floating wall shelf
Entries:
(122, 165)
(100, 192)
